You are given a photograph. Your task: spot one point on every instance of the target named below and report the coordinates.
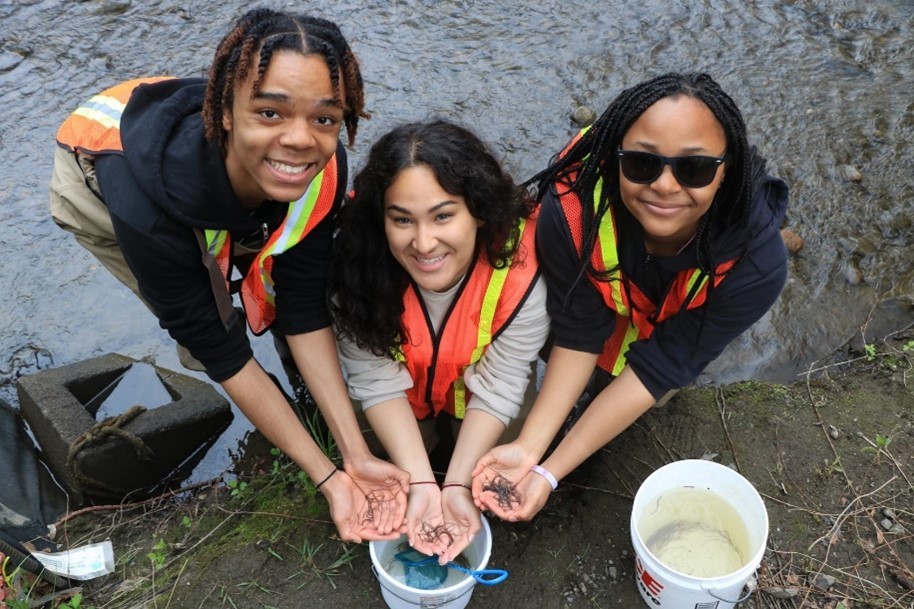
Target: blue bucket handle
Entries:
(486, 577)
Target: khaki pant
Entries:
(77, 208)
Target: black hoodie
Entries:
(170, 180)
(683, 345)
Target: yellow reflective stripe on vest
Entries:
(104, 110)
(293, 227)
(215, 241)
(460, 398)
(486, 320)
(631, 335)
(610, 252)
(697, 275)
(490, 303)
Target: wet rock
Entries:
(849, 173)
(897, 529)
(613, 573)
(583, 116)
(900, 222)
(822, 582)
(792, 240)
(780, 593)
(889, 513)
(886, 524)
(114, 7)
(9, 60)
(852, 274)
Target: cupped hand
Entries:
(386, 487)
(424, 520)
(496, 478)
(351, 510)
(462, 519)
(532, 492)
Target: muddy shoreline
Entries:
(829, 453)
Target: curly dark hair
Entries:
(256, 36)
(587, 159)
(366, 282)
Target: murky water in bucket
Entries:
(140, 385)
(695, 532)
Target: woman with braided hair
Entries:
(659, 241)
(191, 190)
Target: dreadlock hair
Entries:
(366, 281)
(256, 36)
(591, 158)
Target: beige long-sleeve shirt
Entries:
(497, 381)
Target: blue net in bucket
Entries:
(422, 572)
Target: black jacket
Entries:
(169, 180)
(683, 345)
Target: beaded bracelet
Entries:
(545, 473)
(455, 484)
(330, 475)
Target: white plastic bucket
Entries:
(400, 596)
(665, 588)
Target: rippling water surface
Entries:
(820, 84)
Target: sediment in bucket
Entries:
(663, 587)
(398, 595)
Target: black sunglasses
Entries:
(690, 171)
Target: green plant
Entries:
(308, 552)
(186, 522)
(157, 556)
(318, 429)
(879, 446)
(870, 350)
(239, 489)
(15, 587)
(75, 602)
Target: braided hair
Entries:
(257, 35)
(590, 159)
(366, 281)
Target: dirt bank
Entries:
(832, 456)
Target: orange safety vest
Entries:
(636, 314)
(486, 302)
(94, 128)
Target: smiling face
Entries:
(668, 212)
(278, 140)
(431, 233)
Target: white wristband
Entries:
(545, 473)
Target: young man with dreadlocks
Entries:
(176, 185)
(659, 240)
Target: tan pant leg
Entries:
(78, 210)
(666, 398)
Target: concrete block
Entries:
(53, 402)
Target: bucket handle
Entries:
(751, 584)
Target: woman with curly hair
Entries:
(659, 239)
(440, 312)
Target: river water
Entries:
(821, 84)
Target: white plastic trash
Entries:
(400, 596)
(663, 587)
